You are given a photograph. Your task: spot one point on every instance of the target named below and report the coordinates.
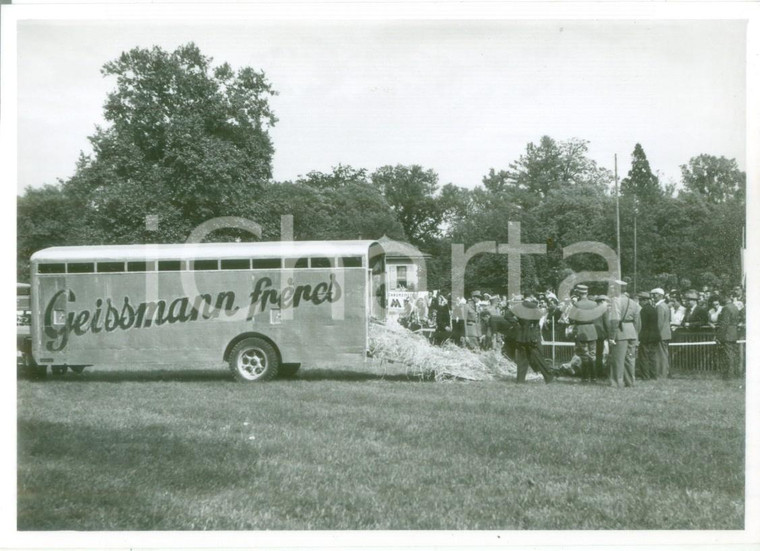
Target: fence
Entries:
(690, 350)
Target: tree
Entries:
(45, 218)
(341, 176)
(186, 141)
(411, 193)
(640, 184)
(349, 211)
(718, 179)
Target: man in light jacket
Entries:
(624, 327)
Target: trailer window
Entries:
(110, 267)
(302, 263)
(321, 262)
(51, 268)
(169, 265)
(236, 264)
(266, 263)
(137, 266)
(351, 261)
(81, 267)
(205, 264)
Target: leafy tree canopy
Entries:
(640, 183)
(411, 193)
(186, 141)
(718, 179)
(547, 166)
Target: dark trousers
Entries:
(646, 365)
(599, 371)
(729, 357)
(509, 349)
(586, 351)
(528, 354)
(662, 360)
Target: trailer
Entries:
(265, 308)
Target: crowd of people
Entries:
(619, 338)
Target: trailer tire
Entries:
(254, 360)
(77, 369)
(59, 369)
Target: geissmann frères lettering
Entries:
(109, 315)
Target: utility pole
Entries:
(635, 239)
(617, 218)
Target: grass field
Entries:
(330, 450)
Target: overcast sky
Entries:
(459, 97)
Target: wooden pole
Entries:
(617, 218)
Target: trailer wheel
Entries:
(254, 359)
(58, 369)
(77, 369)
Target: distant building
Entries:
(406, 272)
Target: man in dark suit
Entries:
(528, 339)
(649, 339)
(662, 360)
(696, 315)
(726, 335)
(582, 315)
(440, 306)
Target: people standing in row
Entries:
(624, 327)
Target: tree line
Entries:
(187, 141)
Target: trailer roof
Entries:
(190, 251)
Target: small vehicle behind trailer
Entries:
(264, 308)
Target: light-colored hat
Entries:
(620, 282)
(581, 288)
(657, 291)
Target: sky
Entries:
(459, 97)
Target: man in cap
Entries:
(625, 324)
(695, 315)
(528, 339)
(582, 315)
(662, 361)
(649, 339)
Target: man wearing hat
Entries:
(528, 338)
(649, 339)
(582, 315)
(695, 315)
(625, 324)
(662, 361)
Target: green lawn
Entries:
(192, 450)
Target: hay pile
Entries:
(392, 343)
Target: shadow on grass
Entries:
(218, 375)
